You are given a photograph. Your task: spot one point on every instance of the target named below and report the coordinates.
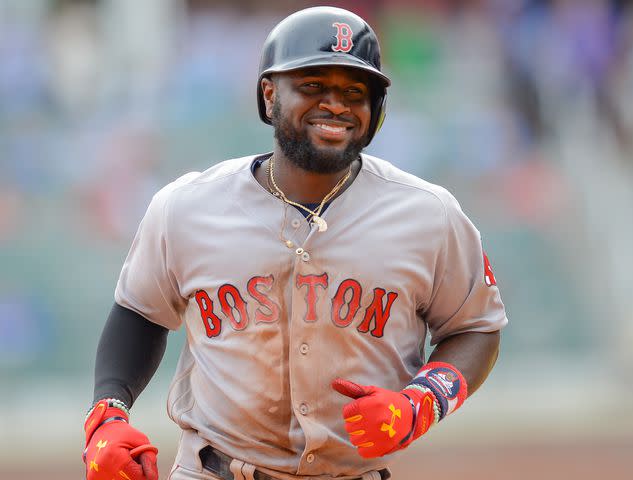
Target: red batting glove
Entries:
(114, 449)
(381, 421)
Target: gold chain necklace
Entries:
(314, 215)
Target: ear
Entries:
(269, 91)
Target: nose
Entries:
(333, 102)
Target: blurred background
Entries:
(523, 109)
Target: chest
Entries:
(246, 267)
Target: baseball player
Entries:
(306, 279)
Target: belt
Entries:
(219, 464)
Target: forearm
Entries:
(129, 353)
(472, 353)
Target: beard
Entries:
(300, 150)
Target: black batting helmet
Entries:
(325, 36)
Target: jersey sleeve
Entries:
(148, 283)
(465, 297)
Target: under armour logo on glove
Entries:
(381, 421)
(395, 412)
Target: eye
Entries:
(311, 86)
(355, 92)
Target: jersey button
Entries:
(305, 256)
(296, 223)
(310, 458)
(303, 409)
(304, 348)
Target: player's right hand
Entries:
(116, 450)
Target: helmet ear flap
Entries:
(382, 112)
(378, 114)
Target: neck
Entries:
(302, 186)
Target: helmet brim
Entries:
(327, 60)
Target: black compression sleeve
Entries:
(129, 352)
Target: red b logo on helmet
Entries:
(343, 37)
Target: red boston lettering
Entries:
(375, 311)
(263, 299)
(339, 301)
(212, 324)
(312, 281)
(238, 304)
(346, 304)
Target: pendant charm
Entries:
(320, 223)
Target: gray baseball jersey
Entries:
(269, 326)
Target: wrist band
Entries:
(112, 402)
(446, 383)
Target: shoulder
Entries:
(209, 182)
(216, 174)
(387, 176)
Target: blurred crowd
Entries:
(522, 108)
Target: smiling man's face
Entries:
(321, 116)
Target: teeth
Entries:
(330, 128)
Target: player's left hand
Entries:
(116, 450)
(381, 421)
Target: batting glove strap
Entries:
(103, 412)
(445, 382)
(424, 390)
(414, 420)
